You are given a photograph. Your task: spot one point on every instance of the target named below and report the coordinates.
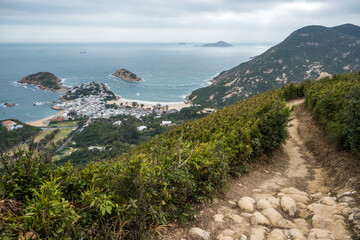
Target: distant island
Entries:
(127, 75)
(44, 80)
(217, 44)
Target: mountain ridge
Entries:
(310, 52)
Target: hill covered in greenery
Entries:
(308, 53)
(44, 80)
(160, 180)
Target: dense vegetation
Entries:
(335, 103)
(9, 139)
(131, 195)
(117, 139)
(44, 79)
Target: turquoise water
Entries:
(170, 71)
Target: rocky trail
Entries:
(292, 197)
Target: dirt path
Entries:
(286, 199)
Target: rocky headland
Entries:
(44, 80)
(127, 75)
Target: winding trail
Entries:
(289, 200)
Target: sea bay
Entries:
(170, 71)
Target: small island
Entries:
(217, 44)
(127, 75)
(44, 80)
(9, 104)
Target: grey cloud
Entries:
(253, 19)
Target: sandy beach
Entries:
(171, 106)
(44, 122)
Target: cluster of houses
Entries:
(96, 108)
(11, 125)
(94, 105)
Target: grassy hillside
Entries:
(133, 194)
(335, 103)
(311, 52)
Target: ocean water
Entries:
(170, 71)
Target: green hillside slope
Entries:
(308, 53)
(160, 180)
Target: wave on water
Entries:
(38, 103)
(16, 84)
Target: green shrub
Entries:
(335, 104)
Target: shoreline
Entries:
(127, 102)
(118, 101)
(45, 121)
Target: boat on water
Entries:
(37, 103)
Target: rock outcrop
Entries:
(9, 104)
(127, 75)
(44, 80)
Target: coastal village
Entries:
(92, 100)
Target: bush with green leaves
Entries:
(133, 194)
(335, 104)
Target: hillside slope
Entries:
(308, 53)
(306, 196)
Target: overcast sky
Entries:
(167, 20)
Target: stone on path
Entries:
(323, 222)
(296, 234)
(319, 234)
(302, 224)
(288, 205)
(243, 237)
(247, 204)
(259, 219)
(272, 215)
(257, 233)
(225, 238)
(292, 190)
(328, 201)
(218, 218)
(263, 204)
(199, 234)
(346, 199)
(296, 197)
(277, 234)
(236, 218)
(283, 223)
(275, 202)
